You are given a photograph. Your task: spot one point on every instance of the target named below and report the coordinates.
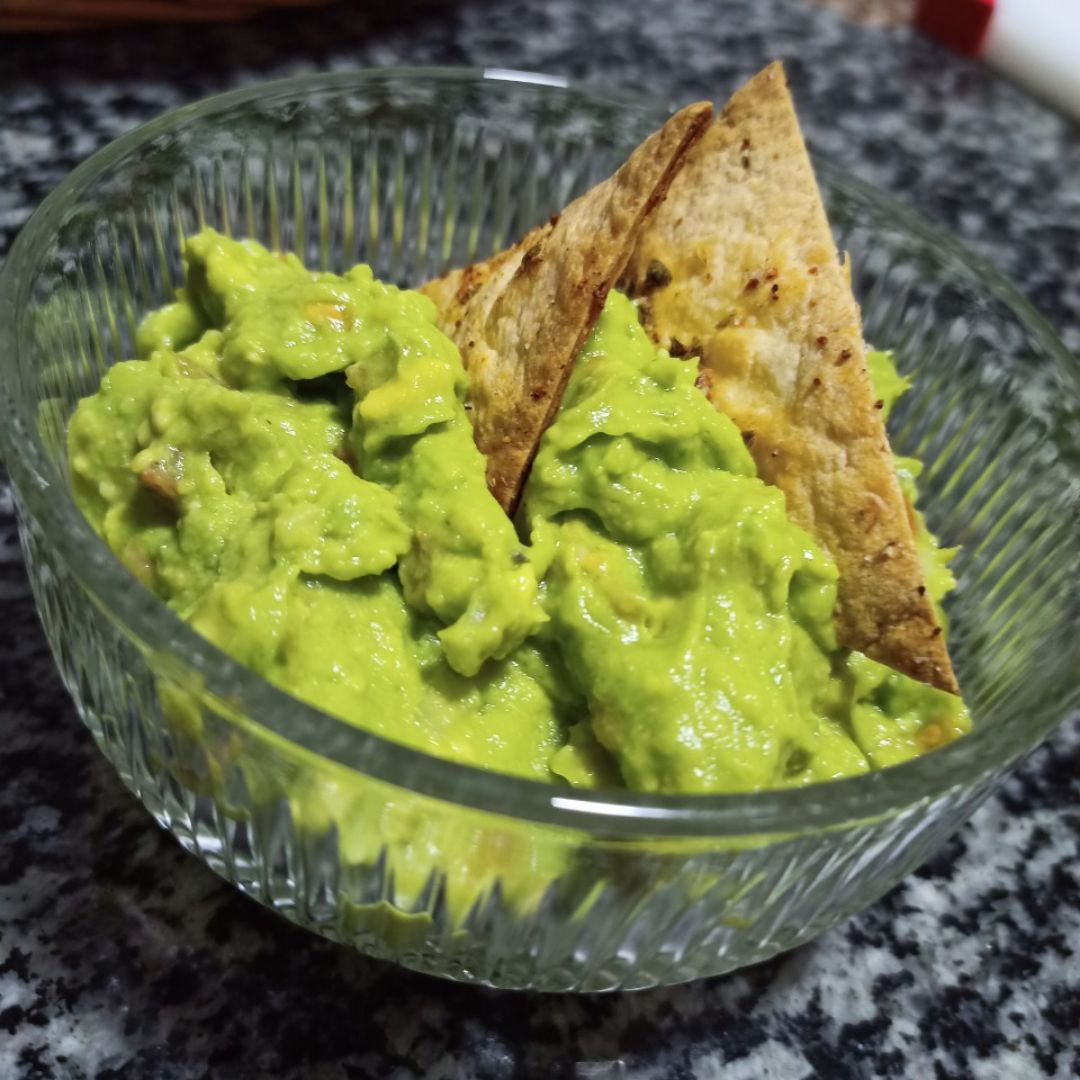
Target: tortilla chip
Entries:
(521, 318)
(739, 268)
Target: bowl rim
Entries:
(616, 814)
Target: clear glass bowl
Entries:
(441, 867)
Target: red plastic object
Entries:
(960, 24)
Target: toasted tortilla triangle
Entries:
(738, 266)
(521, 318)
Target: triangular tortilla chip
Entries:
(739, 267)
(521, 318)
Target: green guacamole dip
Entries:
(290, 467)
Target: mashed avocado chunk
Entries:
(290, 466)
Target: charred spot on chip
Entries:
(752, 284)
(531, 258)
(657, 275)
(879, 404)
(537, 393)
(471, 279)
(844, 357)
(822, 341)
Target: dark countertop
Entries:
(121, 956)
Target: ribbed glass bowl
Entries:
(441, 867)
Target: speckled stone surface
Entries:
(122, 957)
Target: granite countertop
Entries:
(121, 956)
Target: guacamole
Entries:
(290, 466)
(890, 386)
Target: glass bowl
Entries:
(441, 867)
